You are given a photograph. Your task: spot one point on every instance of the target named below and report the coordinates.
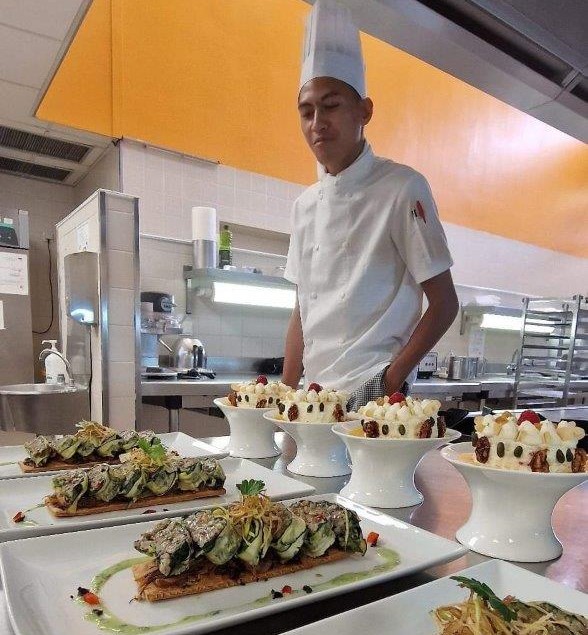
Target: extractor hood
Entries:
(531, 54)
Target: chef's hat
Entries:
(332, 47)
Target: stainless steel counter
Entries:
(445, 508)
(497, 385)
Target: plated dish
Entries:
(92, 443)
(183, 444)
(147, 475)
(492, 528)
(411, 611)
(26, 495)
(101, 561)
(383, 467)
(250, 540)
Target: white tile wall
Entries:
(170, 184)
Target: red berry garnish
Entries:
(315, 386)
(286, 589)
(530, 415)
(262, 379)
(396, 397)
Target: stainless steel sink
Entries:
(43, 408)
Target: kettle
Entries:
(187, 353)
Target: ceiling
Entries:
(34, 37)
(531, 54)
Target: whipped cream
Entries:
(313, 406)
(501, 441)
(257, 394)
(409, 419)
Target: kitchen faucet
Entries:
(47, 351)
(511, 368)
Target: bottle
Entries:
(225, 257)
(54, 365)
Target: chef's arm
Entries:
(294, 349)
(442, 309)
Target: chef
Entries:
(366, 239)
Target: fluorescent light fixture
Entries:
(230, 293)
(512, 323)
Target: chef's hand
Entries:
(393, 379)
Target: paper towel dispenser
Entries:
(81, 277)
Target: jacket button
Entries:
(316, 247)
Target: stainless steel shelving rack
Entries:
(549, 361)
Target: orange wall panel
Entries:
(219, 79)
(80, 94)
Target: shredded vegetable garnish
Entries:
(483, 613)
(92, 430)
(149, 456)
(251, 507)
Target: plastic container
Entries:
(225, 255)
(54, 365)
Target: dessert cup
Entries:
(383, 469)
(252, 436)
(511, 510)
(319, 452)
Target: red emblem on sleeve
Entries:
(419, 212)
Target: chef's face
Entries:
(332, 117)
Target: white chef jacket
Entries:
(362, 242)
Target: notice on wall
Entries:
(14, 273)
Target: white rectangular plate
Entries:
(40, 574)
(408, 612)
(182, 443)
(25, 494)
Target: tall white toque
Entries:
(332, 47)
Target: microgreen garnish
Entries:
(251, 487)
(486, 593)
(156, 452)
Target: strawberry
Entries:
(530, 415)
(262, 379)
(396, 397)
(315, 386)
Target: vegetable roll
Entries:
(39, 450)
(320, 535)
(66, 446)
(111, 445)
(162, 480)
(70, 487)
(195, 472)
(146, 541)
(173, 548)
(129, 439)
(214, 536)
(105, 482)
(133, 481)
(288, 540)
(345, 524)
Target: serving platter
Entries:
(27, 494)
(182, 443)
(408, 612)
(40, 575)
(492, 529)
